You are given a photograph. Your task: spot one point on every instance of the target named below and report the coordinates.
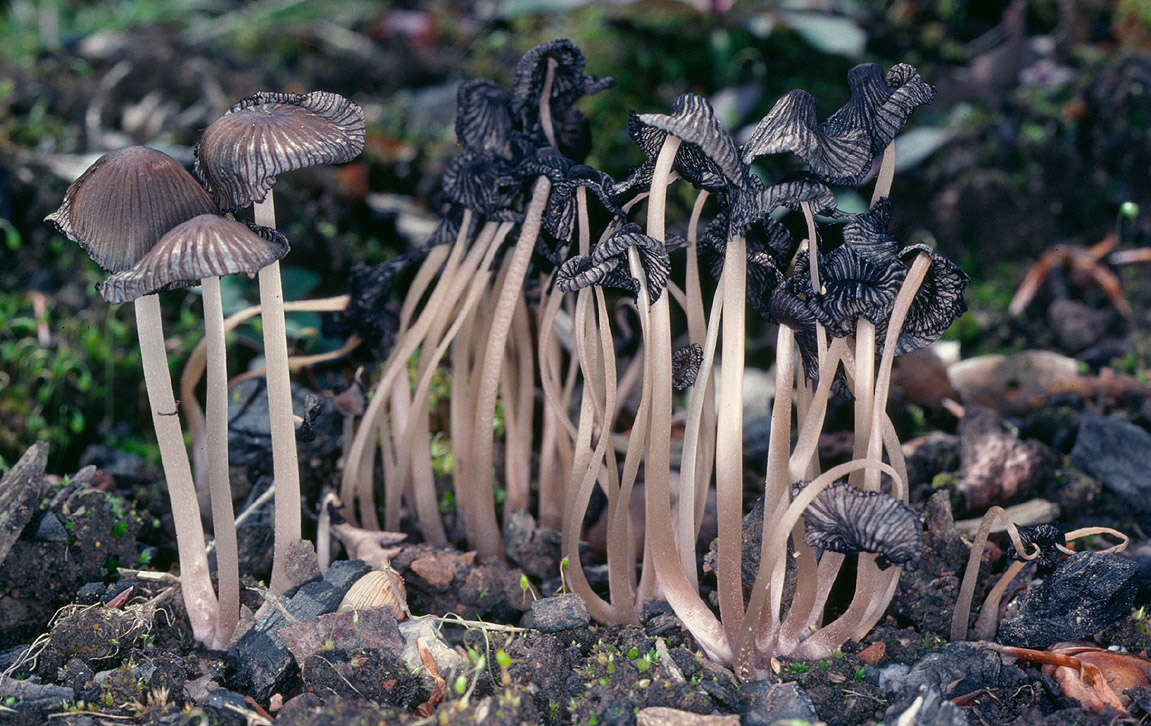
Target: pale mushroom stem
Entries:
(195, 582)
(482, 527)
(729, 438)
(683, 597)
(285, 466)
(886, 174)
(223, 517)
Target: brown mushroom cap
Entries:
(242, 152)
(204, 246)
(125, 202)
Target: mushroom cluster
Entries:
(146, 220)
(568, 332)
(848, 309)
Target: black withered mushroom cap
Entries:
(205, 246)
(484, 120)
(241, 153)
(938, 302)
(125, 202)
(791, 127)
(569, 84)
(707, 156)
(880, 105)
(607, 264)
(867, 232)
(792, 303)
(1044, 537)
(369, 313)
(854, 287)
(560, 213)
(769, 243)
(848, 520)
(685, 363)
(484, 182)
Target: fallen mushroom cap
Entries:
(205, 246)
(685, 363)
(848, 520)
(125, 202)
(241, 153)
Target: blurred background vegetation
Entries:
(1039, 134)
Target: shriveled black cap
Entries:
(484, 117)
(707, 158)
(791, 127)
(936, 305)
(607, 264)
(204, 246)
(569, 84)
(125, 202)
(848, 520)
(880, 104)
(241, 153)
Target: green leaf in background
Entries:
(832, 34)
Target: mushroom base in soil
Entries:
(201, 249)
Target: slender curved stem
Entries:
(285, 464)
(223, 516)
(729, 439)
(195, 583)
(194, 369)
(483, 528)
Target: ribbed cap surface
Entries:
(125, 202)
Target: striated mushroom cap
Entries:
(880, 104)
(204, 246)
(936, 305)
(707, 158)
(125, 202)
(241, 153)
(867, 232)
(791, 126)
(855, 286)
(848, 520)
(569, 84)
(607, 264)
(484, 117)
(685, 363)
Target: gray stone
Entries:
(924, 707)
(1118, 453)
(30, 695)
(20, 491)
(769, 702)
(259, 661)
(128, 469)
(349, 630)
(552, 614)
(534, 548)
(1087, 592)
(49, 529)
(1077, 326)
